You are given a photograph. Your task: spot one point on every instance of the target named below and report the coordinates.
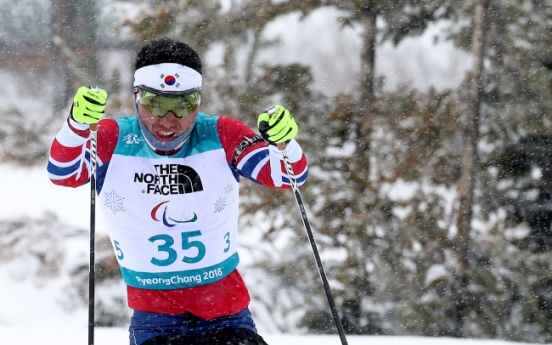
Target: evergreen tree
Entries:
(515, 102)
(351, 211)
(470, 169)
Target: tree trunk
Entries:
(366, 111)
(470, 162)
(75, 39)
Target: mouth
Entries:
(165, 135)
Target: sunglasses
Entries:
(159, 103)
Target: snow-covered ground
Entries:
(29, 193)
(110, 336)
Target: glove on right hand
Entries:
(88, 105)
(276, 125)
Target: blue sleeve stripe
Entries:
(299, 180)
(252, 162)
(260, 165)
(63, 171)
(100, 173)
(65, 164)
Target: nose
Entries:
(169, 118)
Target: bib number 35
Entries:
(167, 243)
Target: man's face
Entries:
(168, 127)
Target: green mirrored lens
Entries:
(161, 105)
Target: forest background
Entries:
(431, 202)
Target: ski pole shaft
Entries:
(91, 268)
(306, 223)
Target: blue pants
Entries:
(144, 325)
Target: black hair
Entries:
(166, 50)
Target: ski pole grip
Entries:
(94, 126)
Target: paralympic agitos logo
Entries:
(170, 179)
(165, 218)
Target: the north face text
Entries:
(170, 179)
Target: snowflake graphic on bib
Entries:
(114, 201)
(220, 204)
(228, 188)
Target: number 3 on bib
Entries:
(168, 242)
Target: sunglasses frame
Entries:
(168, 94)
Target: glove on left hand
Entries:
(277, 126)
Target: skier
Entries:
(167, 182)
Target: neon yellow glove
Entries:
(276, 125)
(89, 105)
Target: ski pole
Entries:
(91, 269)
(306, 223)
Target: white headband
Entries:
(168, 77)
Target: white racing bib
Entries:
(172, 220)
